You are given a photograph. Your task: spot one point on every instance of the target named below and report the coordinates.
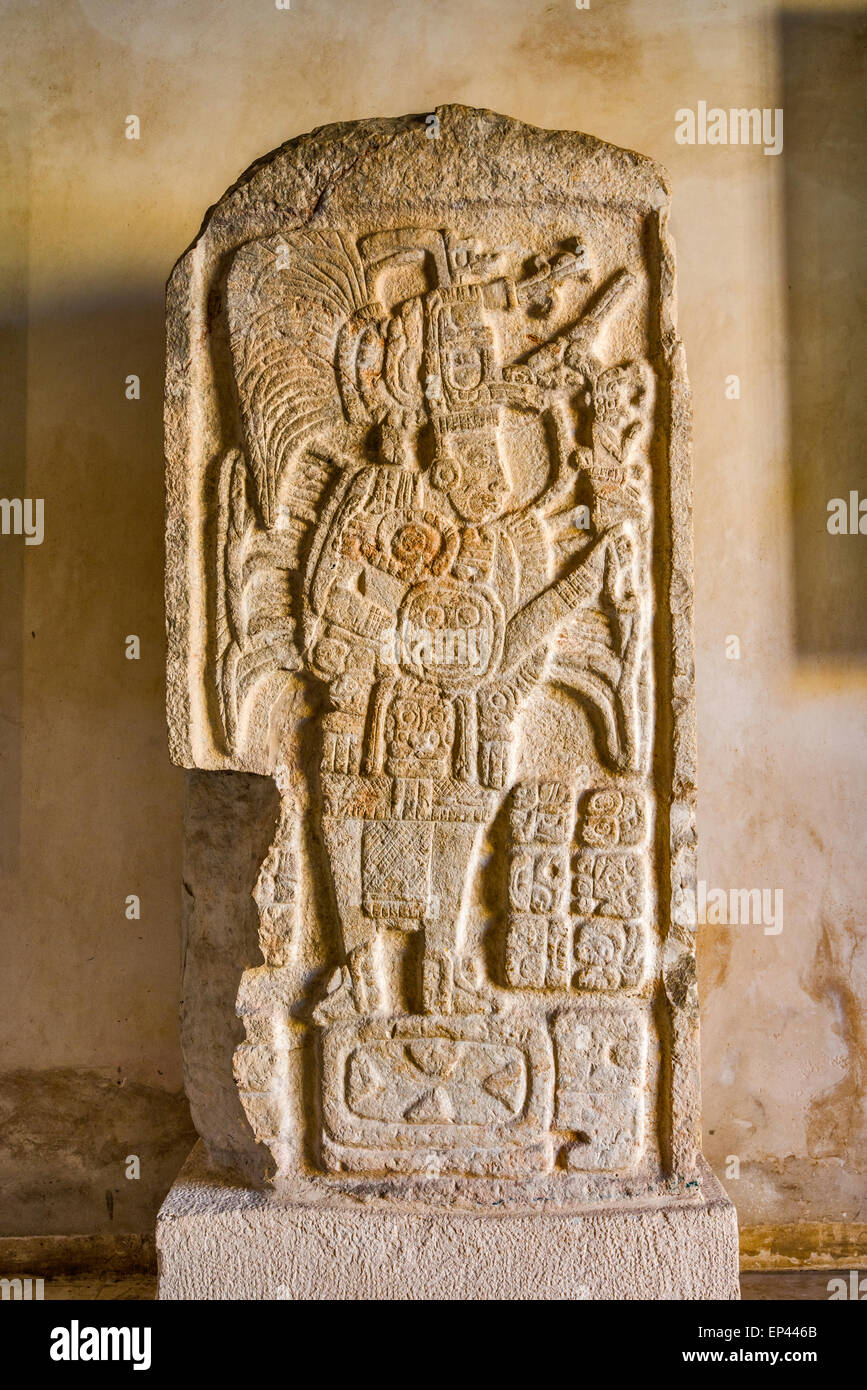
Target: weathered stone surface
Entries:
(219, 1239)
(429, 566)
(229, 820)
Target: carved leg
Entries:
(365, 970)
(438, 981)
(447, 986)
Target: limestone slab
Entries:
(429, 567)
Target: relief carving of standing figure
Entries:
(418, 471)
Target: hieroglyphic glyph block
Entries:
(428, 565)
(538, 948)
(601, 1078)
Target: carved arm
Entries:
(607, 567)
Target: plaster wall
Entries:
(92, 810)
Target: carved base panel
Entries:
(437, 1095)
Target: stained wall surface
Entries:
(92, 811)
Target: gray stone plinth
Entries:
(218, 1239)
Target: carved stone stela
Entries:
(429, 567)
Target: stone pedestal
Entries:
(218, 1239)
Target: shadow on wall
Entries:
(93, 456)
(14, 213)
(824, 67)
(91, 806)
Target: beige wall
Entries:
(92, 809)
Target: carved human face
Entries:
(472, 474)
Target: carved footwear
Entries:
(449, 988)
(339, 1000)
(353, 989)
(471, 995)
